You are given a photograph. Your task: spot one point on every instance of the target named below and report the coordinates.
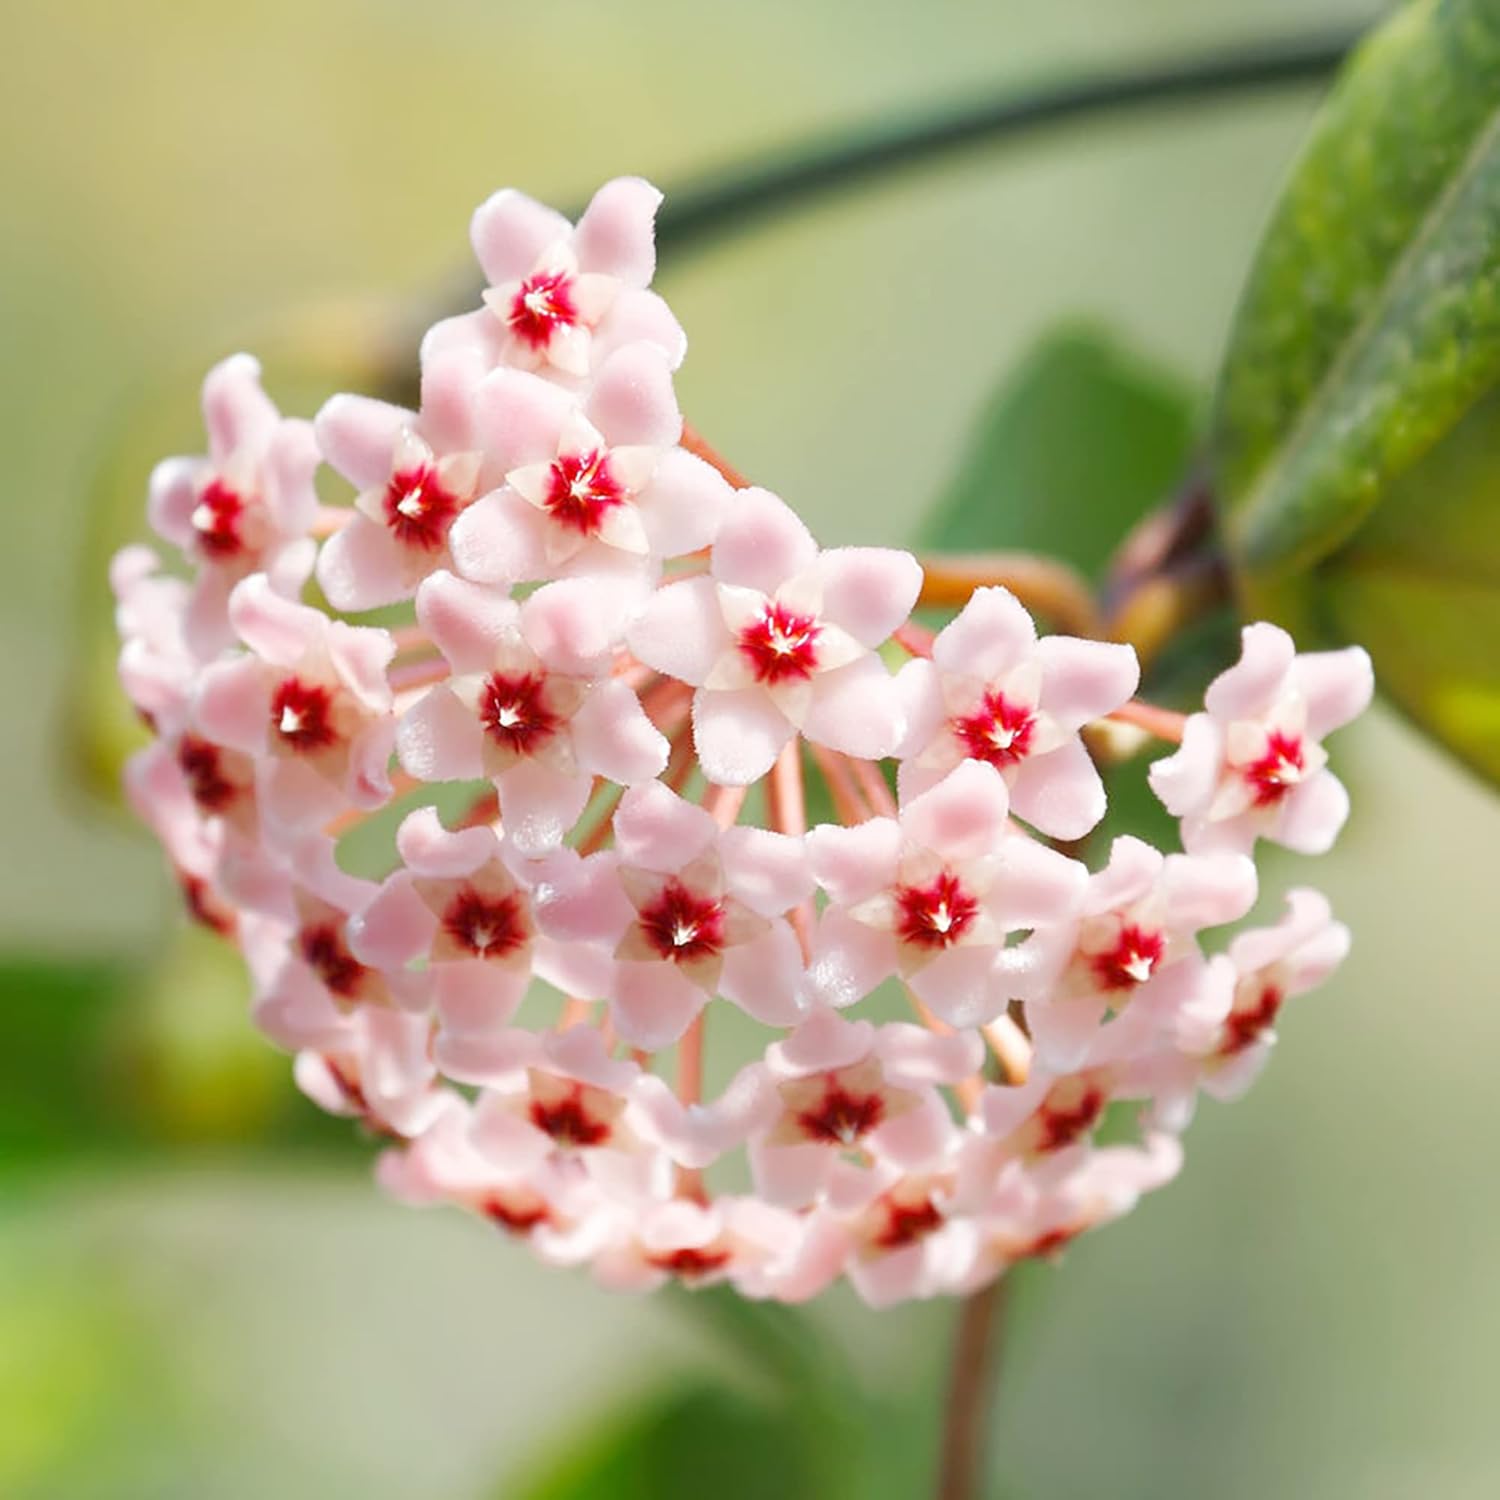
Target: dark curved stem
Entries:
(976, 1345)
(727, 201)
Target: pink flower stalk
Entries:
(618, 665)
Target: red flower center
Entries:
(1132, 960)
(419, 508)
(514, 712)
(516, 1215)
(217, 519)
(690, 1262)
(906, 1223)
(543, 304)
(487, 927)
(568, 1121)
(302, 716)
(203, 768)
(842, 1117)
(203, 906)
(1071, 1109)
(681, 925)
(1278, 770)
(581, 489)
(936, 915)
(324, 951)
(1250, 1020)
(996, 730)
(781, 646)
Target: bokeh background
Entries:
(200, 1292)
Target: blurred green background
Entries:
(200, 1292)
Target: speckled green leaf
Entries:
(1371, 322)
(1357, 433)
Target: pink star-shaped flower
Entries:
(1253, 765)
(781, 638)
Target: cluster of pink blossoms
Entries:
(586, 754)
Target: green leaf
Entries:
(1356, 455)
(1371, 321)
(1081, 440)
(685, 1444)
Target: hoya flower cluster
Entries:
(585, 752)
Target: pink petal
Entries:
(467, 621)
(1083, 680)
(362, 566)
(855, 709)
(581, 901)
(655, 829)
(1207, 890)
(278, 629)
(450, 382)
(509, 231)
(439, 739)
(915, 1055)
(358, 436)
(684, 505)
(1250, 687)
(635, 316)
(171, 497)
(617, 233)
(653, 1004)
(1062, 1031)
(762, 976)
(632, 402)
(991, 634)
(853, 864)
(916, 1139)
(575, 624)
(1186, 780)
(790, 1176)
(427, 848)
(519, 418)
(824, 1041)
(849, 959)
(500, 539)
(294, 795)
(869, 591)
(919, 693)
(1336, 685)
(762, 543)
(539, 805)
(1060, 792)
(1132, 871)
(232, 704)
(768, 871)
(737, 735)
(963, 816)
(1035, 885)
(574, 968)
(612, 736)
(1312, 816)
(681, 632)
(475, 998)
(236, 411)
(394, 928)
(961, 987)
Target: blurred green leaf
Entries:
(703, 1440)
(1080, 441)
(1356, 439)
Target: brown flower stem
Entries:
(1011, 1046)
(1155, 609)
(693, 441)
(786, 811)
(872, 783)
(976, 1347)
(847, 800)
(1164, 723)
(1045, 586)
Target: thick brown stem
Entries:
(693, 441)
(976, 1346)
(1043, 585)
